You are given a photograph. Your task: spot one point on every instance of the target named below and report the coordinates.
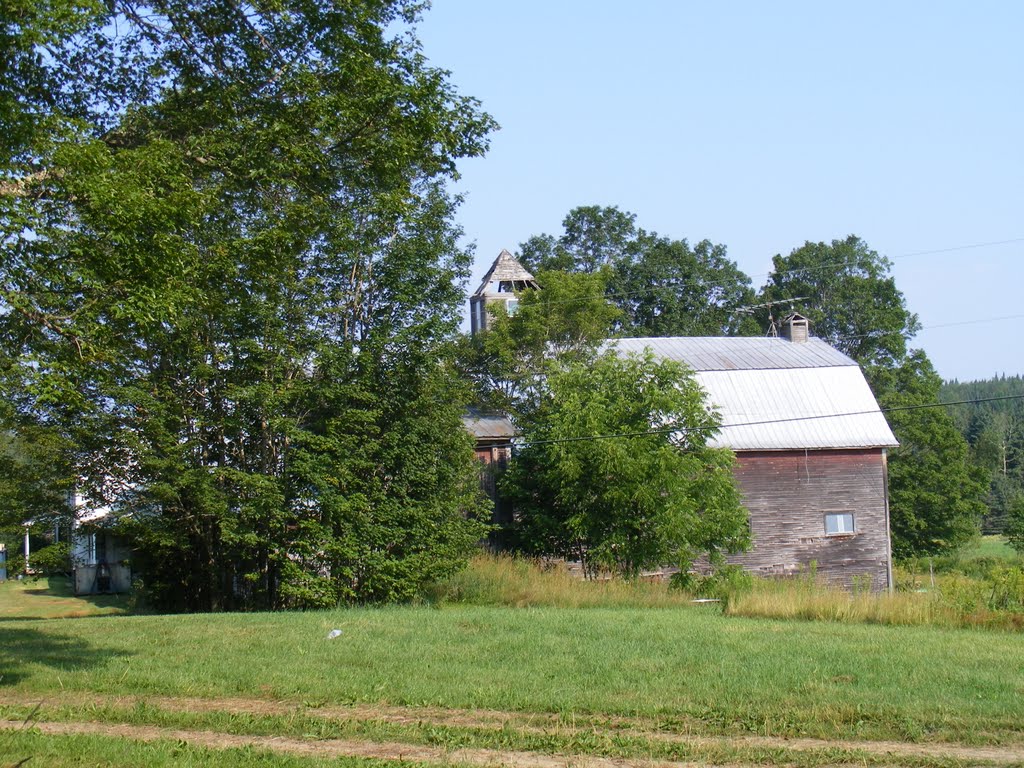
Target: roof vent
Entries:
(795, 328)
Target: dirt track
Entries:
(477, 719)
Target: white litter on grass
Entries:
(333, 634)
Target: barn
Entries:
(810, 444)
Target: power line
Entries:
(711, 428)
(526, 372)
(693, 282)
(975, 321)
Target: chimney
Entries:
(795, 328)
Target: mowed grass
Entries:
(995, 547)
(74, 751)
(53, 598)
(691, 668)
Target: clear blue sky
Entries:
(761, 126)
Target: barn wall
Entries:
(789, 493)
(494, 456)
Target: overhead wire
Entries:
(766, 422)
(526, 372)
(692, 282)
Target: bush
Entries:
(724, 583)
(53, 560)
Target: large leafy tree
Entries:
(846, 291)
(227, 252)
(568, 318)
(616, 473)
(662, 287)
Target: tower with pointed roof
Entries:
(503, 281)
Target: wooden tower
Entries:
(503, 281)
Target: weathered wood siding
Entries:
(494, 456)
(788, 494)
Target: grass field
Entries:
(602, 685)
(690, 671)
(52, 598)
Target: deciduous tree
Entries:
(662, 287)
(227, 247)
(615, 470)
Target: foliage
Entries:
(52, 560)
(1015, 524)
(662, 287)
(567, 318)
(35, 472)
(848, 296)
(936, 493)
(654, 495)
(723, 584)
(844, 288)
(995, 432)
(228, 249)
(524, 583)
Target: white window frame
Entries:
(840, 523)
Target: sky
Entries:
(762, 126)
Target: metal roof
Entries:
(484, 424)
(738, 354)
(795, 408)
(773, 394)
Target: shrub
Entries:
(52, 560)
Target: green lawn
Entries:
(52, 598)
(693, 666)
(989, 546)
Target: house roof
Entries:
(773, 394)
(504, 269)
(487, 424)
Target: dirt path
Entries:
(527, 723)
(349, 747)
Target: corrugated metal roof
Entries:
(739, 354)
(487, 424)
(807, 408)
(814, 396)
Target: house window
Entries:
(839, 523)
(512, 307)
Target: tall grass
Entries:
(524, 583)
(955, 601)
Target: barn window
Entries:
(512, 307)
(839, 523)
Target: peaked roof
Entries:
(773, 394)
(487, 424)
(505, 267)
